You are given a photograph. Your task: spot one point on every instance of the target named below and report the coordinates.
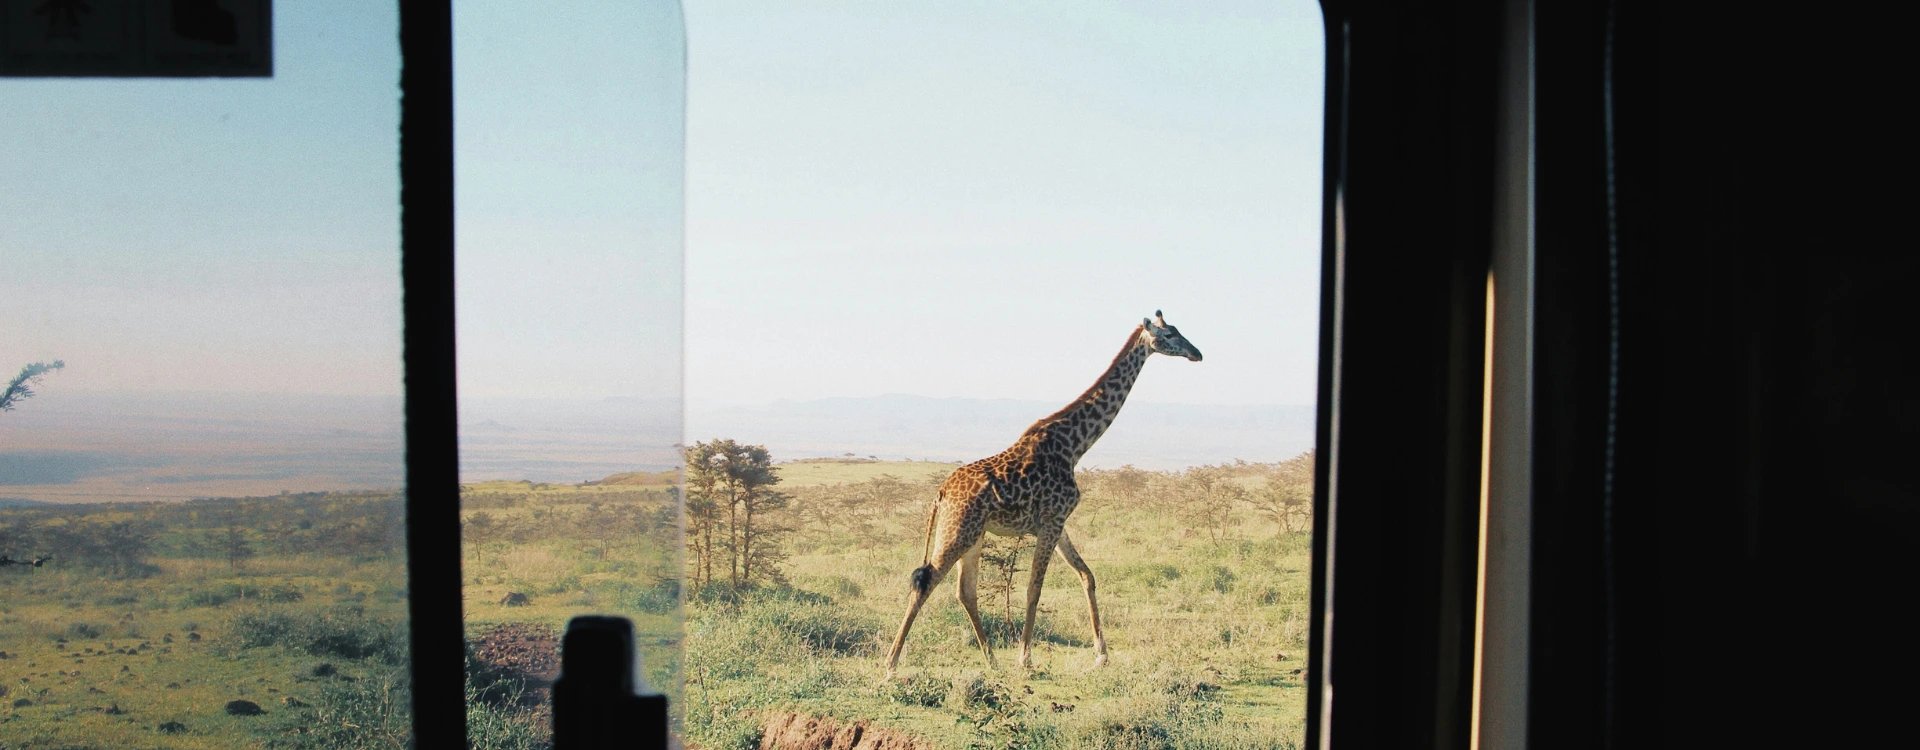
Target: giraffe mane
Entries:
(1089, 395)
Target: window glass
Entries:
(201, 500)
(914, 230)
(568, 158)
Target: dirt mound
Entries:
(516, 663)
(791, 731)
(244, 708)
(527, 650)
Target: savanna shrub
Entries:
(663, 597)
(211, 597)
(918, 690)
(723, 593)
(214, 597)
(1149, 721)
(498, 717)
(1220, 579)
(492, 727)
(974, 691)
(822, 628)
(374, 712)
(84, 630)
(346, 632)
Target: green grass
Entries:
(1207, 640)
(571, 550)
(108, 669)
(1207, 628)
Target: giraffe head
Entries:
(1166, 339)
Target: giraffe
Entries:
(1029, 489)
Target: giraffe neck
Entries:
(1075, 428)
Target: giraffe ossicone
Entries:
(1029, 489)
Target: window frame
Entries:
(1410, 202)
(1401, 573)
(436, 622)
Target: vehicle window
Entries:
(201, 441)
(568, 154)
(912, 232)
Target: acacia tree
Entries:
(234, 543)
(1287, 497)
(752, 535)
(20, 388)
(20, 537)
(1207, 496)
(1127, 483)
(760, 553)
(117, 548)
(732, 512)
(858, 509)
(476, 530)
(1000, 559)
(704, 467)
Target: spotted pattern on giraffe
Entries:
(1029, 489)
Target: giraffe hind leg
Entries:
(925, 579)
(919, 597)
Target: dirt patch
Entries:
(791, 731)
(515, 665)
(527, 649)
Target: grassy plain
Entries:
(1204, 601)
(151, 619)
(537, 555)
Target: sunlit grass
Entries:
(1207, 638)
(104, 662)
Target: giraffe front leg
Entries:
(970, 601)
(1093, 604)
(1042, 554)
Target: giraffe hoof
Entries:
(1099, 661)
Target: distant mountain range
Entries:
(65, 447)
(1147, 435)
(94, 448)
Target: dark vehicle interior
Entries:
(1712, 425)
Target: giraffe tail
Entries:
(923, 575)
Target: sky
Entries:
(982, 199)
(568, 150)
(973, 199)
(211, 234)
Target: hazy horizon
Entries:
(72, 447)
